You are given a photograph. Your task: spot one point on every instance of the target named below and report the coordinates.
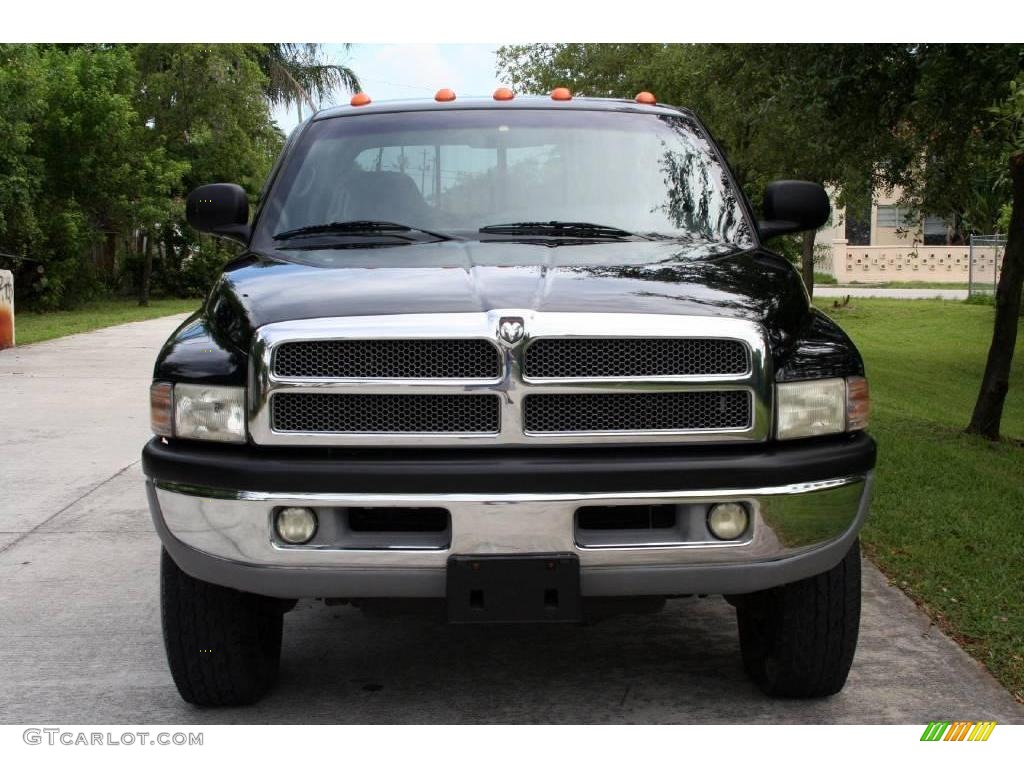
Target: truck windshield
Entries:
(472, 173)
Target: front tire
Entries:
(798, 640)
(223, 646)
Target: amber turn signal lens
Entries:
(360, 100)
(161, 408)
(646, 97)
(858, 403)
(561, 94)
(445, 94)
(504, 94)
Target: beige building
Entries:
(887, 223)
(889, 244)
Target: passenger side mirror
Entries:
(793, 206)
(219, 209)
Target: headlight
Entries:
(808, 408)
(200, 412)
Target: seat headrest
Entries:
(386, 195)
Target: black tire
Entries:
(798, 640)
(223, 646)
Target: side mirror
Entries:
(793, 206)
(220, 209)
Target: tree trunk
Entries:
(170, 255)
(110, 253)
(807, 262)
(988, 411)
(147, 271)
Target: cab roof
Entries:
(519, 102)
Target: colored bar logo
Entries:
(958, 730)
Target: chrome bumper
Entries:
(226, 538)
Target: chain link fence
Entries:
(986, 261)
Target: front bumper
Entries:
(798, 528)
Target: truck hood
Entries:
(474, 276)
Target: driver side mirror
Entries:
(219, 209)
(793, 206)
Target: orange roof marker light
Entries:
(360, 99)
(646, 97)
(445, 94)
(504, 94)
(561, 94)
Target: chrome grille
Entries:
(640, 412)
(385, 413)
(576, 378)
(389, 359)
(617, 358)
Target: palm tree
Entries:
(297, 73)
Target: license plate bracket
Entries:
(514, 588)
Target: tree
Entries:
(965, 155)
(22, 101)
(207, 106)
(297, 73)
(988, 410)
(78, 170)
(100, 143)
(104, 173)
(775, 109)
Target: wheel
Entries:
(798, 640)
(223, 646)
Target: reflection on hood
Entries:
(460, 276)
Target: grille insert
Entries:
(299, 412)
(389, 359)
(397, 519)
(633, 517)
(647, 411)
(611, 358)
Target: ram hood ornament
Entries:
(511, 330)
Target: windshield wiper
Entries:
(359, 227)
(582, 229)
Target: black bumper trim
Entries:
(554, 470)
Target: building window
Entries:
(858, 224)
(937, 230)
(893, 217)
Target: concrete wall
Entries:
(899, 255)
(905, 263)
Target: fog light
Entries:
(296, 525)
(728, 521)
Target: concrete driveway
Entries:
(80, 630)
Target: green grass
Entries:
(824, 278)
(947, 522)
(31, 327)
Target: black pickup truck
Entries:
(519, 359)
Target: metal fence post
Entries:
(970, 269)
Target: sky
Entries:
(410, 72)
